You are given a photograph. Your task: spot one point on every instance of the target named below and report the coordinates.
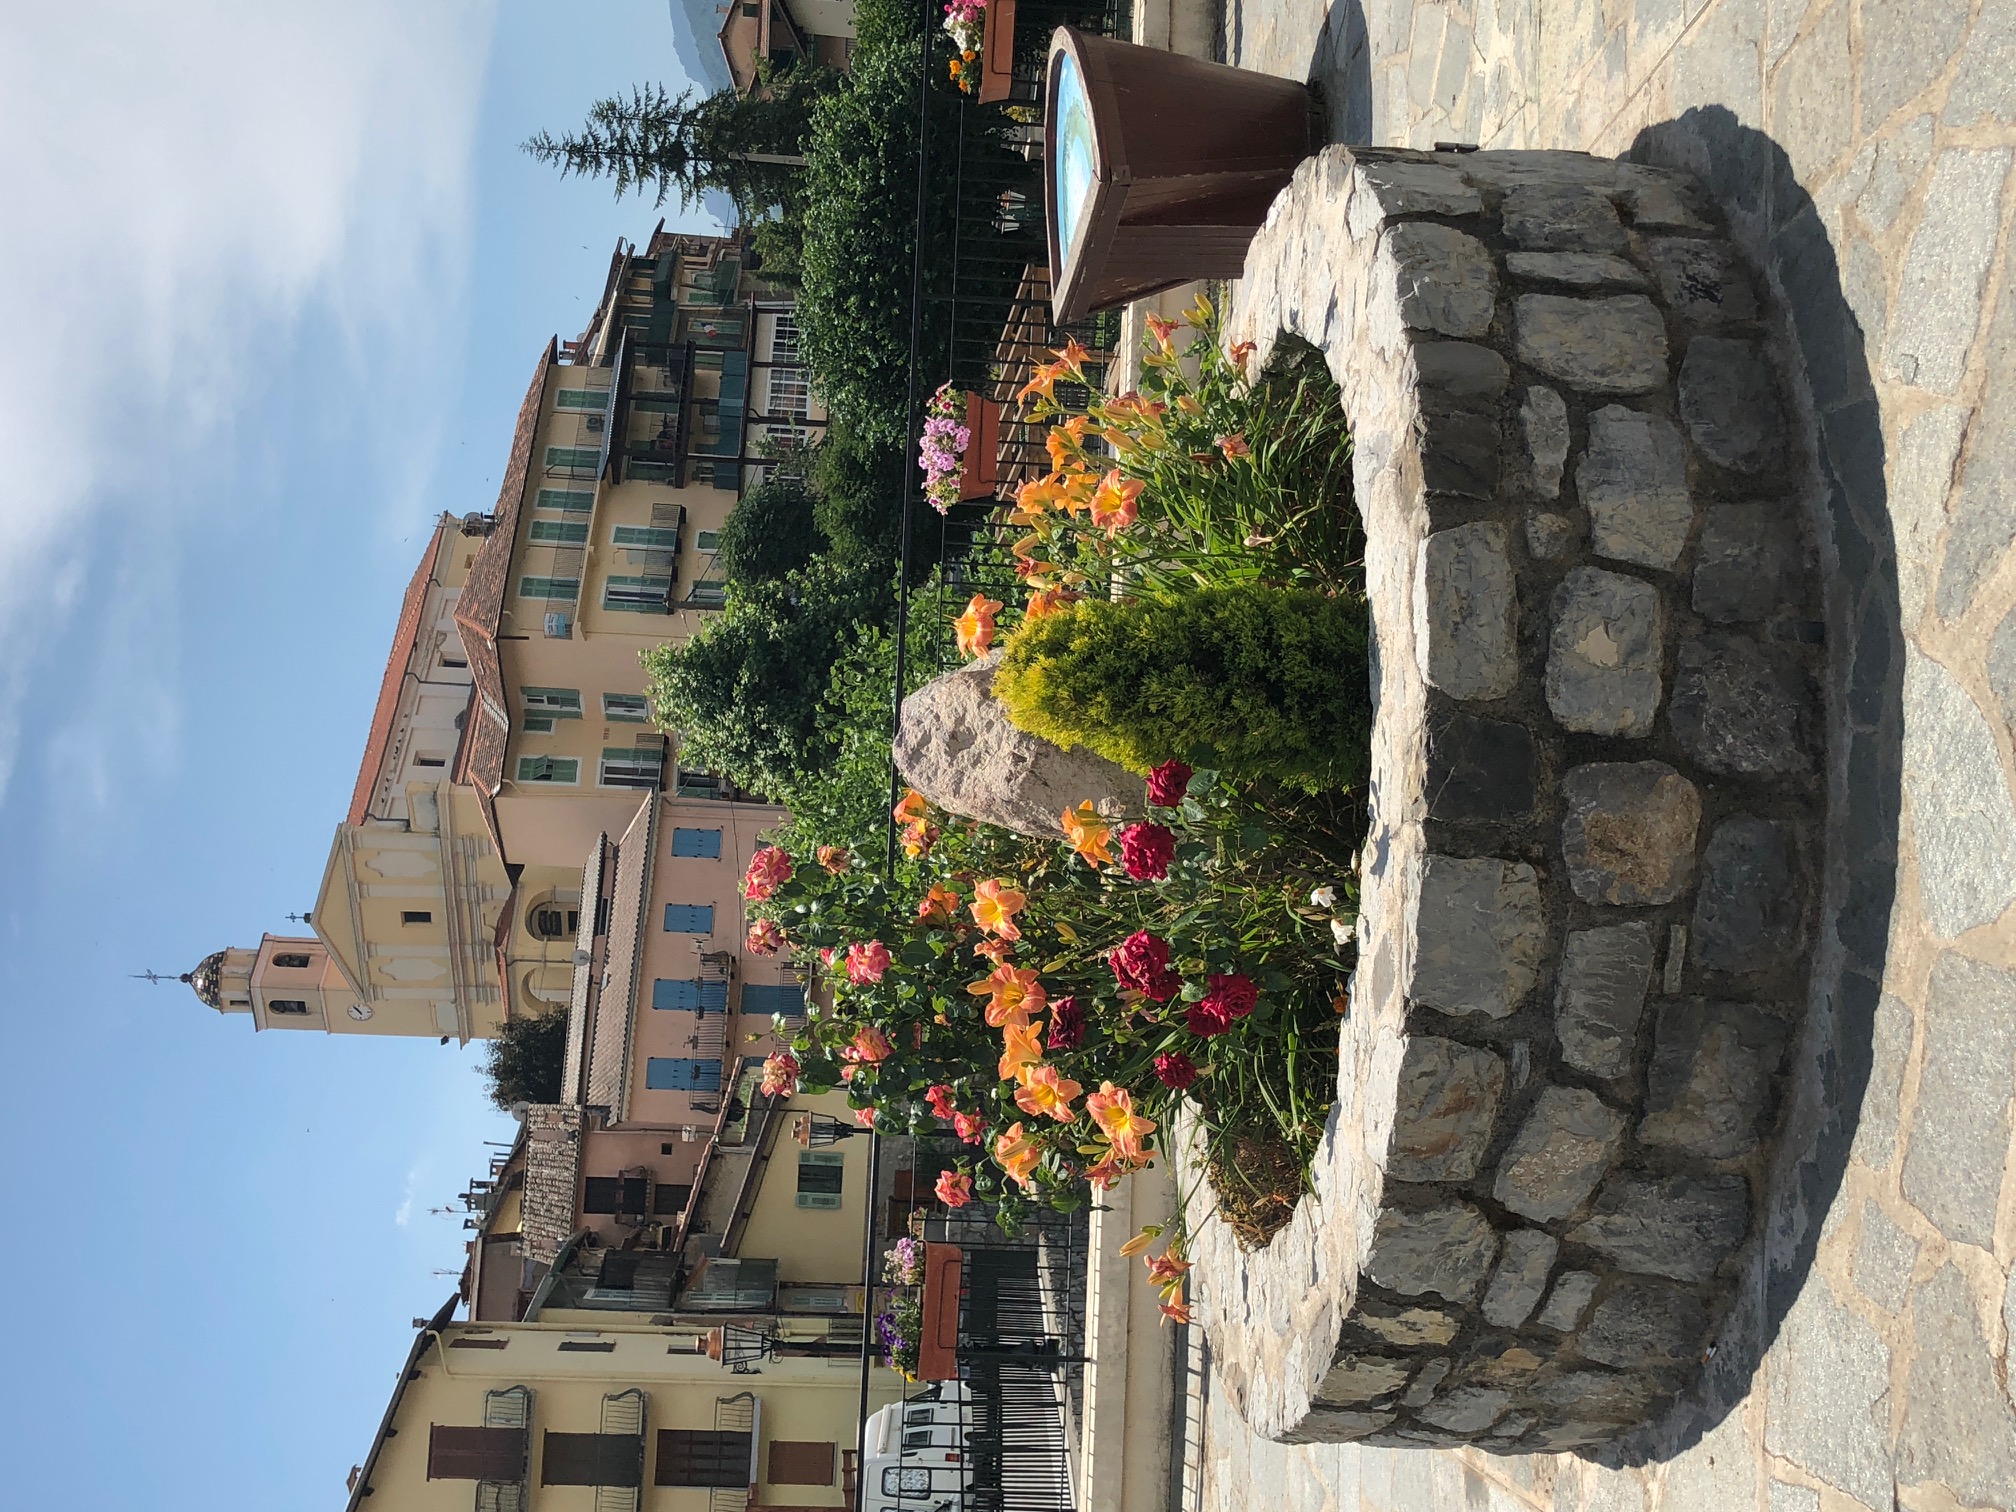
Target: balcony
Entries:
(624, 1416)
(510, 1408)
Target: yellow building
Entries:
(512, 727)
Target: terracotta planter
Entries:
(1158, 168)
(938, 1350)
(981, 473)
(997, 52)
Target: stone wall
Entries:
(1591, 886)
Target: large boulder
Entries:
(955, 745)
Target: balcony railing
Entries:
(624, 1414)
(741, 1413)
(508, 1408)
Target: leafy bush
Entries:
(1260, 682)
(525, 1061)
(769, 534)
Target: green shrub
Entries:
(524, 1063)
(769, 534)
(1259, 682)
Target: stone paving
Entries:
(1863, 152)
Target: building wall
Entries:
(811, 1244)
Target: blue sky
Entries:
(274, 278)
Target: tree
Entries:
(769, 534)
(750, 147)
(525, 1061)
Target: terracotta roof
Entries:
(480, 609)
(404, 639)
(500, 937)
(552, 1178)
(584, 964)
(609, 1040)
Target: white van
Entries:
(917, 1453)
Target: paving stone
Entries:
(1562, 217)
(1447, 282)
(1957, 1429)
(1704, 282)
(1983, 514)
(1479, 770)
(1581, 270)
(1601, 346)
(1632, 478)
(1544, 419)
(1981, 88)
(1522, 1276)
(1459, 453)
(1645, 1323)
(1404, 188)
(1900, 157)
(1903, 52)
(1876, 1130)
(1465, 610)
(1600, 997)
(1549, 536)
(1567, 1144)
(1938, 305)
(1963, 821)
(1709, 1084)
(1748, 914)
(1447, 1250)
(1747, 565)
(1628, 834)
(1357, 1378)
(1681, 1227)
(1468, 1409)
(1570, 1300)
(1333, 1425)
(1739, 709)
(1480, 936)
(2002, 667)
(1461, 369)
(1447, 1106)
(1729, 401)
(1407, 1327)
(1884, 1256)
(1721, 1472)
(1960, 1131)
(1920, 479)
(1790, 1498)
(1603, 653)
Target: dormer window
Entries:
(291, 961)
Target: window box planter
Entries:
(938, 1349)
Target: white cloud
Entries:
(403, 1215)
(184, 183)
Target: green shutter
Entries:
(557, 769)
(560, 532)
(561, 703)
(570, 500)
(707, 542)
(566, 589)
(636, 595)
(583, 399)
(652, 537)
(629, 708)
(573, 458)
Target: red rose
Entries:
(1168, 783)
(1146, 851)
(1234, 994)
(1067, 1025)
(1207, 1017)
(1175, 1070)
(1141, 961)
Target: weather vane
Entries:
(155, 978)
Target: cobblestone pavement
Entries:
(1863, 149)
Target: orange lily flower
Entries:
(938, 906)
(1234, 445)
(1043, 383)
(1073, 357)
(975, 628)
(1016, 1153)
(1049, 601)
(1044, 1091)
(1241, 350)
(1013, 995)
(1178, 1312)
(1164, 1270)
(915, 808)
(995, 905)
(1112, 1109)
(1163, 330)
(1114, 505)
(1141, 1241)
(996, 951)
(1088, 834)
(1107, 1172)
(1024, 1047)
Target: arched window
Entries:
(551, 922)
(286, 1005)
(291, 961)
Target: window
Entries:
(819, 1174)
(626, 708)
(631, 766)
(670, 1198)
(455, 663)
(588, 1346)
(787, 998)
(613, 1194)
(647, 537)
(430, 761)
(682, 1073)
(573, 459)
(703, 1457)
(697, 842)
(592, 1459)
(784, 338)
(801, 1463)
(480, 1454)
(790, 392)
(560, 532)
(565, 589)
(568, 500)
(478, 1343)
(691, 996)
(582, 399)
(689, 918)
(898, 1479)
(291, 961)
(556, 923)
(707, 542)
(416, 916)
(291, 1006)
(650, 594)
(555, 703)
(564, 770)
(537, 724)
(708, 594)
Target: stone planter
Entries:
(1590, 890)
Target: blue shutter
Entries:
(682, 1074)
(697, 842)
(694, 997)
(690, 918)
(773, 997)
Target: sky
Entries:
(274, 277)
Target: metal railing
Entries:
(740, 1413)
(510, 1407)
(623, 1415)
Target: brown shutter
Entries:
(591, 1459)
(702, 1457)
(801, 1463)
(455, 1453)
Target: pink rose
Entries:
(766, 937)
(780, 1074)
(769, 869)
(955, 1188)
(866, 963)
(1146, 851)
(940, 1098)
